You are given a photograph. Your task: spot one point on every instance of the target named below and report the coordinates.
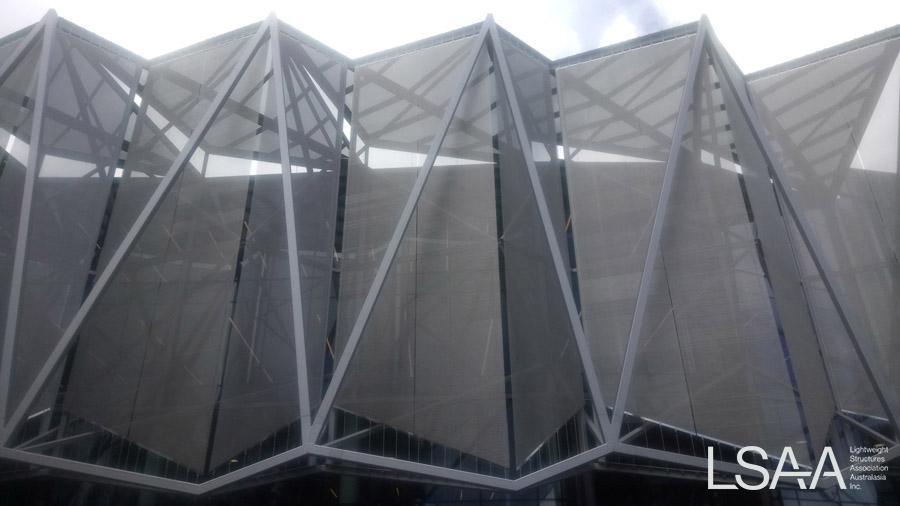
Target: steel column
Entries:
(394, 244)
(137, 228)
(584, 350)
(653, 246)
(31, 170)
(289, 220)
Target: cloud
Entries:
(763, 33)
(758, 34)
(621, 28)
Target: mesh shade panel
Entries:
(533, 85)
(800, 346)
(196, 324)
(722, 317)
(544, 367)
(16, 109)
(835, 123)
(86, 113)
(398, 105)
(430, 359)
(114, 339)
(617, 117)
(7, 47)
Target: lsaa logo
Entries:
(787, 456)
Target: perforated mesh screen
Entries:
(430, 360)
(188, 364)
(835, 122)
(721, 314)
(85, 117)
(617, 115)
(203, 299)
(16, 110)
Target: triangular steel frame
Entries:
(312, 423)
(137, 227)
(811, 383)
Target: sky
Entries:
(757, 33)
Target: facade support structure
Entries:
(315, 413)
(131, 237)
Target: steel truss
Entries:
(313, 423)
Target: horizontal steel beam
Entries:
(679, 458)
(552, 472)
(865, 428)
(97, 471)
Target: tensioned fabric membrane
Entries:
(456, 258)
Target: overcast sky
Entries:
(758, 33)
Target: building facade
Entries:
(456, 264)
